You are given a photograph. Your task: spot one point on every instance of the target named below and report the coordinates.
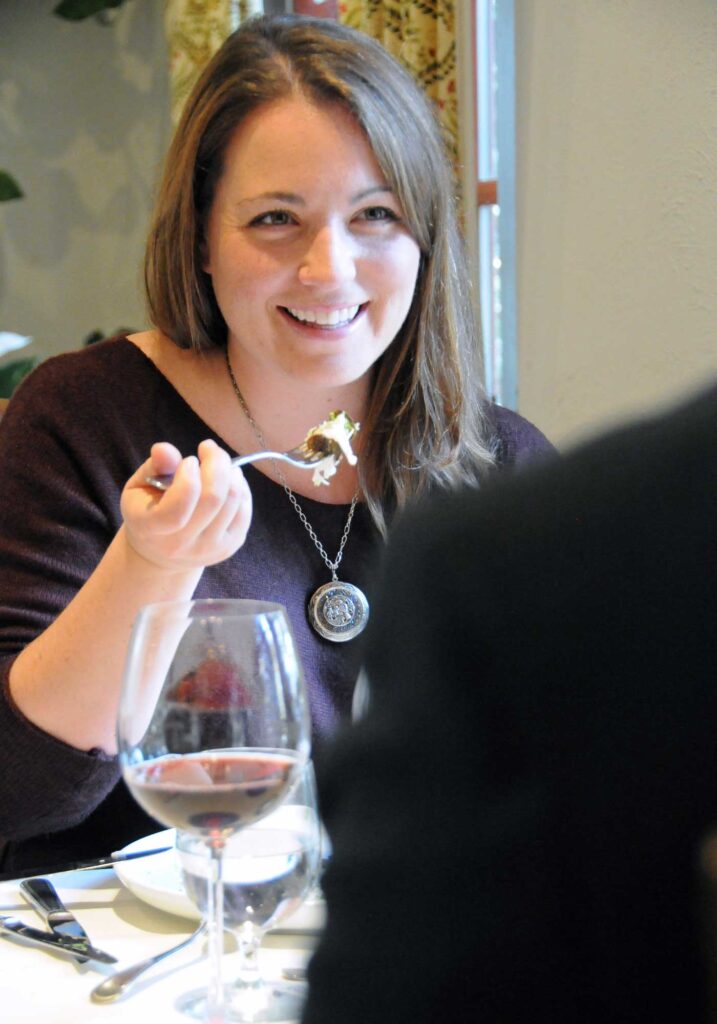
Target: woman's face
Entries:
(312, 264)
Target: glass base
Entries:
(280, 1002)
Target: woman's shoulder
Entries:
(515, 439)
(79, 372)
(85, 390)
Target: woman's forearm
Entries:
(67, 681)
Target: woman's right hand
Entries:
(201, 519)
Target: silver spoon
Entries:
(117, 984)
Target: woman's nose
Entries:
(329, 257)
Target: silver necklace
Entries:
(338, 611)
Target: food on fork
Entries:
(332, 437)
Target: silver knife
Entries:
(63, 943)
(84, 865)
(41, 893)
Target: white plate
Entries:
(157, 880)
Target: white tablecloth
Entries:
(37, 984)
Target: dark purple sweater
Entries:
(74, 432)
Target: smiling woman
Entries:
(304, 257)
(313, 277)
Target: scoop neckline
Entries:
(254, 473)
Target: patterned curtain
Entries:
(421, 34)
(195, 29)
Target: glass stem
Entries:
(215, 924)
(249, 945)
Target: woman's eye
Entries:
(378, 213)
(273, 218)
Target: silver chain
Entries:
(332, 566)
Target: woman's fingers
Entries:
(225, 498)
(164, 460)
(201, 519)
(239, 526)
(231, 522)
(174, 509)
(215, 474)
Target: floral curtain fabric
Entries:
(421, 34)
(195, 29)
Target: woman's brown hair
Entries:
(425, 425)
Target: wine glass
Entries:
(213, 731)
(269, 870)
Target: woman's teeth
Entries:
(325, 318)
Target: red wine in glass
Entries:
(213, 792)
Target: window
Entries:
(495, 194)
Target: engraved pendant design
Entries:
(338, 611)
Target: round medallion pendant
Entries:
(338, 611)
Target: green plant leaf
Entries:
(9, 188)
(12, 373)
(77, 10)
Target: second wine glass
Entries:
(270, 869)
(213, 731)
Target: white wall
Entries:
(84, 123)
(616, 112)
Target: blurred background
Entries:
(599, 125)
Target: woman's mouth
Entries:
(331, 318)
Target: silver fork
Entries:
(303, 457)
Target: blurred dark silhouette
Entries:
(516, 822)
